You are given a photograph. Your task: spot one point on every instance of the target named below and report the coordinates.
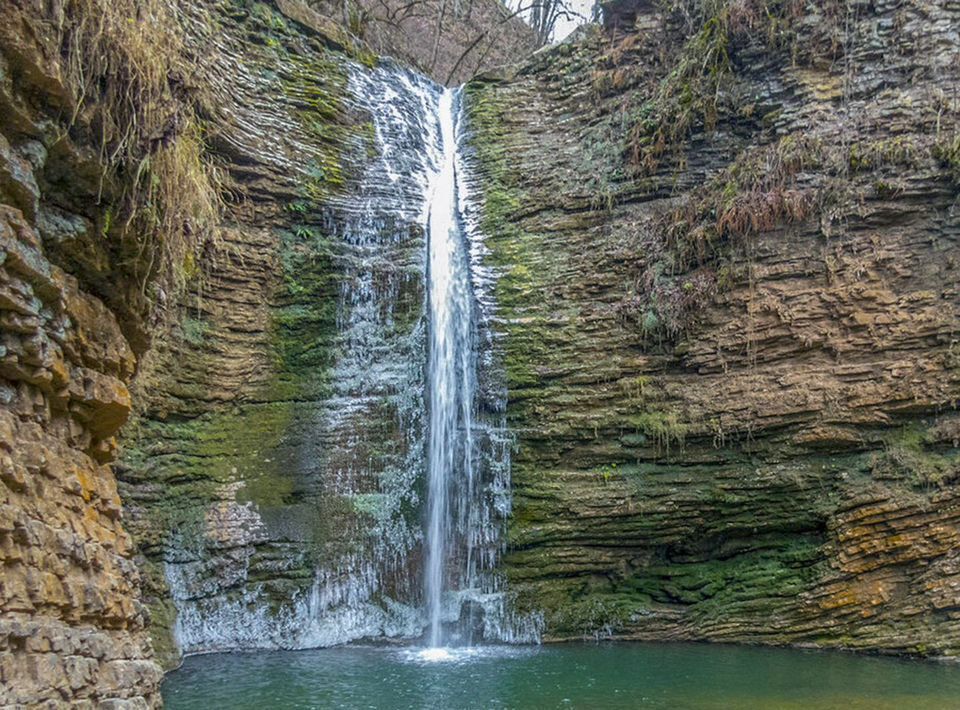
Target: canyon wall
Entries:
(72, 627)
(719, 258)
(267, 365)
(269, 477)
(213, 237)
(728, 303)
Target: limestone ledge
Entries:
(71, 624)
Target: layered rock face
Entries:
(727, 242)
(72, 626)
(71, 621)
(266, 469)
(271, 472)
(271, 475)
(717, 260)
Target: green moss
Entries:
(510, 246)
(369, 132)
(318, 82)
(664, 428)
(947, 152)
(895, 151)
(305, 319)
(253, 442)
(710, 584)
(907, 457)
(162, 615)
(596, 616)
(783, 567)
(759, 535)
(195, 331)
(693, 93)
(366, 57)
(268, 16)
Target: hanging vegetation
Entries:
(161, 191)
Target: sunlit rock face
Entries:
(726, 299)
(71, 623)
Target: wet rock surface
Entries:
(271, 399)
(732, 420)
(269, 471)
(270, 477)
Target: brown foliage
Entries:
(124, 61)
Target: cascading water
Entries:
(450, 468)
(468, 448)
(406, 223)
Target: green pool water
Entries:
(565, 676)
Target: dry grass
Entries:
(755, 194)
(762, 211)
(690, 96)
(947, 153)
(125, 62)
(177, 208)
(685, 251)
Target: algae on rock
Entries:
(709, 367)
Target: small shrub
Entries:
(947, 152)
(691, 95)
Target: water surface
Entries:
(566, 676)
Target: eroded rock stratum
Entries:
(71, 623)
(728, 245)
(223, 337)
(725, 313)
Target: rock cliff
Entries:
(725, 312)
(72, 627)
(269, 477)
(211, 229)
(179, 237)
(727, 240)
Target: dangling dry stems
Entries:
(125, 61)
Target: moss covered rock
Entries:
(726, 315)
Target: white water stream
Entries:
(450, 470)
(410, 403)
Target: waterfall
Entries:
(468, 446)
(414, 397)
(450, 471)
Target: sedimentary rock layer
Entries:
(249, 422)
(71, 621)
(727, 307)
(270, 476)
